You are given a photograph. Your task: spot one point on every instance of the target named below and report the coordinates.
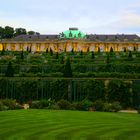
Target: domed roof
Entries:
(72, 33)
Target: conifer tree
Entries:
(57, 56)
(62, 60)
(111, 50)
(67, 69)
(108, 59)
(51, 52)
(10, 70)
(22, 55)
(92, 55)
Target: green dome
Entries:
(72, 33)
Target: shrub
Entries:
(64, 104)
(87, 104)
(98, 105)
(36, 105)
(112, 107)
(8, 104)
(11, 104)
(3, 107)
(54, 107)
(116, 107)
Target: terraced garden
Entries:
(68, 125)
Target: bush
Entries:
(8, 104)
(36, 105)
(87, 104)
(64, 104)
(11, 104)
(112, 107)
(3, 107)
(116, 107)
(98, 105)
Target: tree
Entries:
(47, 50)
(81, 52)
(51, 52)
(1, 32)
(62, 60)
(22, 55)
(31, 33)
(124, 49)
(67, 69)
(92, 55)
(72, 50)
(99, 50)
(130, 55)
(108, 59)
(20, 31)
(111, 50)
(57, 56)
(10, 70)
(8, 32)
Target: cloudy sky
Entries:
(55, 16)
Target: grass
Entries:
(68, 125)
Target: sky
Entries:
(56, 16)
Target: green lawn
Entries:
(68, 125)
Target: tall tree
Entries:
(10, 70)
(20, 31)
(22, 55)
(92, 55)
(1, 32)
(111, 50)
(51, 52)
(8, 32)
(31, 33)
(67, 69)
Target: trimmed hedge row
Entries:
(28, 89)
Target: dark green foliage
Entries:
(108, 59)
(64, 104)
(72, 50)
(120, 91)
(57, 55)
(99, 50)
(51, 52)
(88, 49)
(46, 50)
(124, 49)
(20, 31)
(31, 33)
(67, 69)
(81, 53)
(10, 70)
(139, 109)
(112, 107)
(130, 55)
(98, 105)
(92, 55)
(8, 104)
(8, 32)
(62, 60)
(111, 50)
(22, 55)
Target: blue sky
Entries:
(55, 16)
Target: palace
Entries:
(72, 39)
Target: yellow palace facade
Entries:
(72, 39)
